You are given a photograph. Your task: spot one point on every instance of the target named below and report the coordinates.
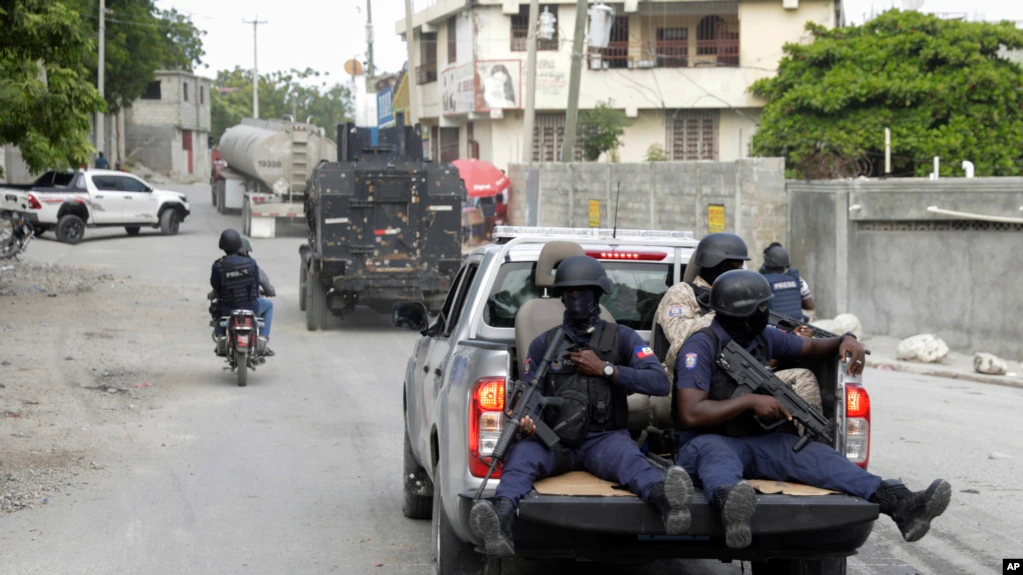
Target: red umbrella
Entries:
(482, 179)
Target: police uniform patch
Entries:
(525, 368)
(676, 311)
(644, 351)
(691, 360)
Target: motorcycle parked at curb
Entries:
(15, 239)
(240, 343)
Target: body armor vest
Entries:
(702, 297)
(722, 387)
(239, 282)
(786, 288)
(590, 403)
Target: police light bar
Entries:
(589, 233)
(626, 256)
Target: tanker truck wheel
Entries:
(316, 304)
(303, 279)
(246, 216)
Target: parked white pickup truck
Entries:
(68, 202)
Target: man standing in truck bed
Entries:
(592, 423)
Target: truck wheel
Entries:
(213, 194)
(303, 278)
(414, 506)
(452, 556)
(221, 192)
(316, 304)
(832, 566)
(70, 229)
(132, 230)
(170, 221)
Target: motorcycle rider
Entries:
(235, 278)
(266, 307)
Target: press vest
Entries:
(590, 403)
(722, 387)
(787, 299)
(239, 282)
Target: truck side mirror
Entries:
(410, 315)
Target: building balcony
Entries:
(426, 73)
(719, 53)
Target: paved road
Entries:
(300, 472)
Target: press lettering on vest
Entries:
(785, 285)
(237, 274)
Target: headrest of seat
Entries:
(552, 254)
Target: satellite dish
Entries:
(353, 67)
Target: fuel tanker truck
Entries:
(264, 169)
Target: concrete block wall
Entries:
(873, 249)
(662, 195)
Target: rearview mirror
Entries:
(410, 315)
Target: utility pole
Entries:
(410, 74)
(369, 38)
(100, 124)
(255, 64)
(572, 113)
(534, 16)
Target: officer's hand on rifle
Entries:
(803, 331)
(587, 362)
(852, 352)
(527, 427)
(768, 408)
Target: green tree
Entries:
(601, 129)
(45, 95)
(139, 40)
(292, 92)
(941, 86)
(656, 153)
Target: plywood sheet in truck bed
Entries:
(584, 484)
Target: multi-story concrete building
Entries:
(679, 69)
(168, 128)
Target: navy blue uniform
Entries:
(242, 292)
(719, 461)
(610, 455)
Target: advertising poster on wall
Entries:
(457, 89)
(498, 85)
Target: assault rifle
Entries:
(527, 399)
(789, 324)
(752, 377)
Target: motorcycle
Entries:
(15, 239)
(240, 342)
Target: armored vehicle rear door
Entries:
(384, 213)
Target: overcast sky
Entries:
(322, 35)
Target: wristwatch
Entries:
(609, 369)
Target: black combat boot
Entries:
(673, 498)
(737, 504)
(913, 511)
(492, 522)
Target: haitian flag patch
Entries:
(691, 360)
(644, 351)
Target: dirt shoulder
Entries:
(80, 371)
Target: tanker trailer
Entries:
(268, 164)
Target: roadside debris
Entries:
(842, 323)
(925, 348)
(989, 363)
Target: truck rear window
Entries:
(637, 288)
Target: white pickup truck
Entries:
(68, 202)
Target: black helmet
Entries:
(230, 241)
(775, 256)
(580, 271)
(246, 245)
(718, 247)
(738, 293)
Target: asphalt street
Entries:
(301, 471)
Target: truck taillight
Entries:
(633, 255)
(486, 419)
(857, 422)
(33, 203)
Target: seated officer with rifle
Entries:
(581, 412)
(728, 433)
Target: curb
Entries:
(1005, 381)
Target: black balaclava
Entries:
(744, 329)
(711, 274)
(582, 310)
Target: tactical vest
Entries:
(722, 387)
(787, 299)
(590, 403)
(702, 297)
(239, 282)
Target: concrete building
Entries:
(168, 128)
(679, 69)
